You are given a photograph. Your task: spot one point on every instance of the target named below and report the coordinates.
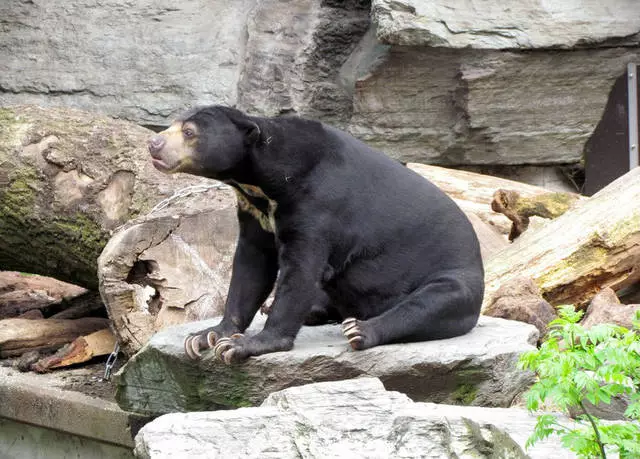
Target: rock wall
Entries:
(458, 83)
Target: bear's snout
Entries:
(155, 144)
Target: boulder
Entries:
(170, 266)
(520, 299)
(605, 308)
(475, 369)
(354, 418)
(322, 59)
(465, 106)
(525, 24)
(140, 61)
(68, 178)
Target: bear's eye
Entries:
(188, 133)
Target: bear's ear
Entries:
(251, 129)
(252, 133)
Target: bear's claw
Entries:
(192, 347)
(224, 348)
(194, 344)
(351, 330)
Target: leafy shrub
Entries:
(574, 365)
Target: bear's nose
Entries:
(155, 144)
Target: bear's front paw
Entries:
(194, 344)
(230, 350)
(360, 334)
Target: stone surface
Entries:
(355, 418)
(171, 265)
(476, 369)
(322, 59)
(41, 400)
(605, 308)
(445, 106)
(67, 179)
(520, 299)
(141, 60)
(523, 24)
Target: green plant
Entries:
(574, 366)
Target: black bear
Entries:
(336, 226)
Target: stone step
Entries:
(347, 419)
(475, 369)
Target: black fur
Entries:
(355, 230)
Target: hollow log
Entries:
(594, 245)
(67, 179)
(21, 335)
(169, 267)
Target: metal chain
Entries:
(111, 361)
(187, 191)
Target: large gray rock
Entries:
(446, 106)
(142, 60)
(523, 24)
(149, 60)
(145, 61)
(355, 418)
(475, 369)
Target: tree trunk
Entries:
(474, 192)
(169, 267)
(67, 179)
(594, 245)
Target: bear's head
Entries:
(208, 141)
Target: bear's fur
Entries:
(338, 227)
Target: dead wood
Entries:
(80, 350)
(21, 335)
(594, 245)
(519, 209)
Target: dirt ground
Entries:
(85, 378)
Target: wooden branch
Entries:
(21, 335)
(474, 192)
(594, 245)
(80, 350)
(519, 209)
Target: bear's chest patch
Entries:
(252, 200)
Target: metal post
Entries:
(632, 85)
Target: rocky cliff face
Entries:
(462, 82)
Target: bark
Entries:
(474, 192)
(68, 178)
(169, 267)
(80, 350)
(519, 209)
(22, 335)
(594, 245)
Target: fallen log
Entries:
(21, 293)
(88, 304)
(519, 209)
(82, 349)
(474, 192)
(20, 335)
(68, 179)
(594, 245)
(169, 267)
